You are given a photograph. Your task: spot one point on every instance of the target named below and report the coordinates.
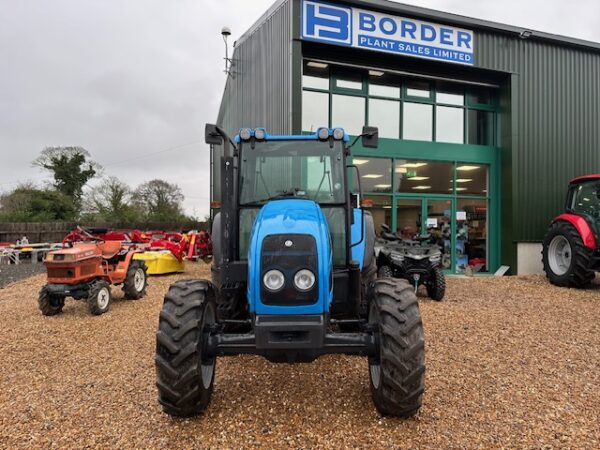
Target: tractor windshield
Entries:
(296, 168)
(584, 198)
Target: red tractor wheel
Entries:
(566, 259)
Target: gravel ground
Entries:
(511, 363)
(9, 273)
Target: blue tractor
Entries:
(294, 276)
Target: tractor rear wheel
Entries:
(50, 304)
(184, 374)
(99, 297)
(136, 280)
(436, 285)
(566, 259)
(397, 372)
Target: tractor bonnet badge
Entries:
(288, 243)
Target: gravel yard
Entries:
(511, 362)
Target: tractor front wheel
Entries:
(184, 373)
(397, 372)
(436, 285)
(566, 259)
(50, 304)
(136, 280)
(99, 297)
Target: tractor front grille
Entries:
(60, 272)
(289, 253)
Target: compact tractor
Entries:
(571, 255)
(294, 276)
(85, 268)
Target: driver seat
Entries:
(109, 248)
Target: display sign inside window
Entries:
(353, 27)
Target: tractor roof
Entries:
(583, 178)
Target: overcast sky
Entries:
(134, 81)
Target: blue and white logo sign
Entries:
(341, 25)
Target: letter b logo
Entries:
(324, 22)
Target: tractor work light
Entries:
(338, 133)
(245, 134)
(273, 280)
(304, 280)
(323, 133)
(260, 133)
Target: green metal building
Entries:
(482, 125)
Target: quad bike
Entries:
(416, 261)
(570, 252)
(85, 268)
(293, 276)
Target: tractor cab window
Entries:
(585, 198)
(281, 169)
(294, 169)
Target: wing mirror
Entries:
(212, 135)
(370, 137)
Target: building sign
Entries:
(359, 28)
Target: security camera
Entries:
(226, 31)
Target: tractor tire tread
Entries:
(579, 275)
(436, 287)
(129, 284)
(45, 303)
(402, 349)
(178, 367)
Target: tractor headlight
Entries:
(304, 280)
(338, 133)
(435, 258)
(245, 134)
(323, 133)
(273, 280)
(259, 134)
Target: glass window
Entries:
(349, 81)
(472, 180)
(383, 85)
(336, 220)
(315, 75)
(375, 174)
(348, 112)
(450, 94)
(449, 124)
(315, 110)
(585, 198)
(417, 123)
(408, 217)
(424, 177)
(421, 89)
(380, 206)
(471, 235)
(280, 169)
(385, 114)
(247, 217)
(481, 127)
(479, 95)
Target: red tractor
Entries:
(571, 254)
(85, 268)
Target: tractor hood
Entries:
(290, 235)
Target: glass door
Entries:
(438, 215)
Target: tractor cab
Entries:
(583, 198)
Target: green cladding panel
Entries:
(555, 118)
